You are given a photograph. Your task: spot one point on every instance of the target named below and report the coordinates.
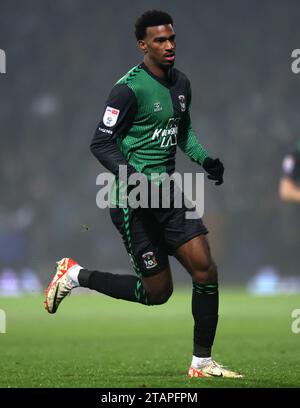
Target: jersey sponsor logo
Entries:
(149, 260)
(167, 135)
(288, 164)
(110, 116)
(157, 107)
(182, 103)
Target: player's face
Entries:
(159, 45)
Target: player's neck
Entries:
(162, 73)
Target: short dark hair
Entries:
(151, 18)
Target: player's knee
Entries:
(160, 297)
(206, 272)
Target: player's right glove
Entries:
(215, 170)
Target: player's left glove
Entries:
(215, 170)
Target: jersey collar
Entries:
(166, 83)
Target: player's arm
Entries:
(189, 144)
(117, 118)
(288, 189)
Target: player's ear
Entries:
(142, 46)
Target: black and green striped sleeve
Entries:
(123, 105)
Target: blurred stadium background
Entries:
(63, 58)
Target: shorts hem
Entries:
(150, 273)
(187, 239)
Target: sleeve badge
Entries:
(110, 116)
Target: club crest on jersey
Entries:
(157, 107)
(182, 102)
(149, 260)
(110, 116)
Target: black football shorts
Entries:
(151, 235)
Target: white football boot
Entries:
(212, 369)
(61, 285)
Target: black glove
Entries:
(215, 169)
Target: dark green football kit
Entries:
(144, 120)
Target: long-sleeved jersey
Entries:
(144, 119)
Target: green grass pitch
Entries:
(96, 341)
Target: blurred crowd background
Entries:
(63, 57)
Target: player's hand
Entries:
(215, 170)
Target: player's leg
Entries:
(150, 290)
(195, 256)
(185, 238)
(158, 287)
(152, 286)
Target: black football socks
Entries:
(205, 304)
(126, 287)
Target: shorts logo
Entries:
(110, 116)
(149, 260)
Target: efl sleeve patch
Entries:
(110, 116)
